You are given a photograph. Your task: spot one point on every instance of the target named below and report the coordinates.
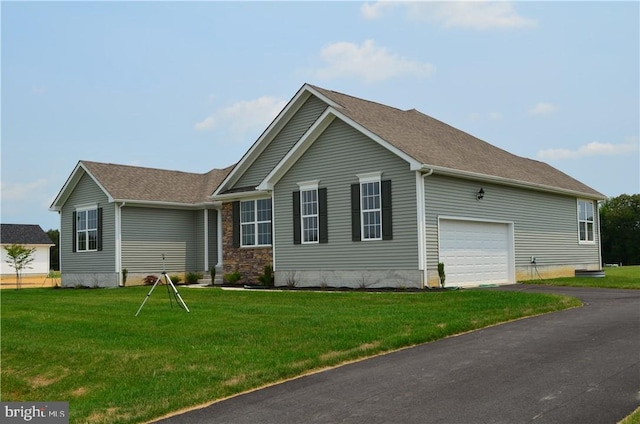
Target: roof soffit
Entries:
(438, 170)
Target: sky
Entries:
(190, 86)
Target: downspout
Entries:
(273, 233)
(600, 262)
(59, 243)
(219, 228)
(422, 236)
(119, 243)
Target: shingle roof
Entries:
(23, 234)
(124, 182)
(435, 143)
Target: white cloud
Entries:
(39, 89)
(22, 191)
(244, 116)
(369, 62)
(478, 15)
(376, 9)
(591, 149)
(542, 108)
(491, 116)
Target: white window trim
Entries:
(370, 177)
(255, 222)
(593, 221)
(86, 208)
(309, 185)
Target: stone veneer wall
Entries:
(249, 261)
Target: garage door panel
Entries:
(474, 252)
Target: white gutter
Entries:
(255, 194)
(511, 182)
(155, 203)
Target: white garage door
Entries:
(474, 253)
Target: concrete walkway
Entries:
(575, 366)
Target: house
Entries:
(29, 236)
(342, 191)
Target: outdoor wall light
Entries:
(480, 194)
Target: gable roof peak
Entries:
(335, 96)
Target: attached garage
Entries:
(476, 252)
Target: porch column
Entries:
(206, 239)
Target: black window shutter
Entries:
(355, 212)
(297, 236)
(323, 225)
(387, 219)
(74, 236)
(236, 224)
(99, 229)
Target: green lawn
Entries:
(86, 347)
(633, 418)
(626, 277)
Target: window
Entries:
(309, 215)
(310, 224)
(86, 229)
(371, 211)
(585, 221)
(255, 222)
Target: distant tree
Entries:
(620, 221)
(19, 258)
(54, 258)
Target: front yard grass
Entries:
(87, 348)
(625, 277)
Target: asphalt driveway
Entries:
(575, 366)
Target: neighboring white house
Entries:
(31, 236)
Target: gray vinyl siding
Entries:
(87, 192)
(545, 224)
(335, 159)
(199, 240)
(282, 143)
(148, 233)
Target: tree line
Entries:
(620, 224)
